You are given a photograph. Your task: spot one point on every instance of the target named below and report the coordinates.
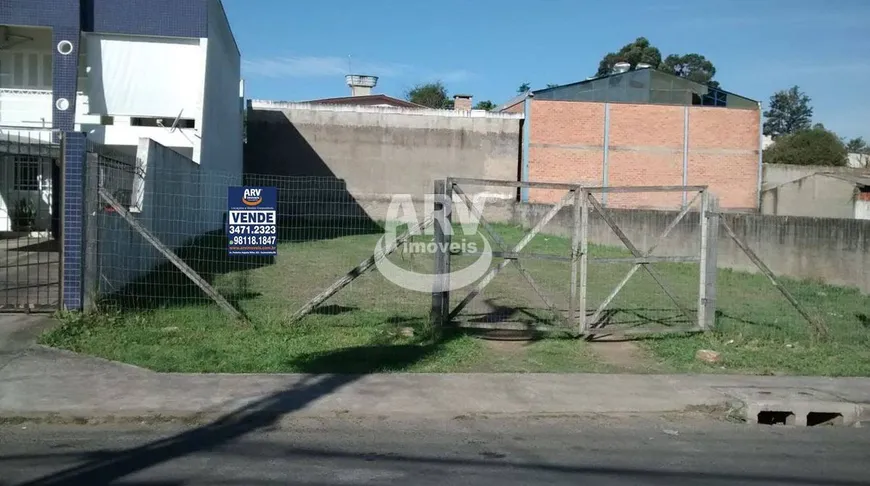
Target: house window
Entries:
(26, 173)
(167, 122)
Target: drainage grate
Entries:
(776, 417)
(824, 418)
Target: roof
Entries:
(660, 75)
(513, 101)
(857, 179)
(366, 100)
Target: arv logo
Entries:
(401, 212)
(252, 197)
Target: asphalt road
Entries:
(343, 451)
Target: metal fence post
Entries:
(442, 254)
(711, 266)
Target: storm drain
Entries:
(775, 417)
(813, 419)
(793, 406)
(824, 418)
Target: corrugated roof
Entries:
(513, 101)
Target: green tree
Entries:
(815, 146)
(524, 87)
(639, 51)
(789, 113)
(693, 67)
(433, 95)
(485, 105)
(553, 85)
(857, 146)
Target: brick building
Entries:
(642, 127)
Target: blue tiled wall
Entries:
(75, 148)
(43, 13)
(168, 18)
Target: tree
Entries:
(553, 85)
(815, 146)
(857, 146)
(485, 105)
(639, 51)
(433, 95)
(860, 147)
(789, 113)
(523, 88)
(693, 67)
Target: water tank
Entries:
(621, 67)
(361, 80)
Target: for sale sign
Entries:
(252, 220)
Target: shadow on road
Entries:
(257, 415)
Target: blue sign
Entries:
(252, 220)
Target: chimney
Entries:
(462, 102)
(361, 84)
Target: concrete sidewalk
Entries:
(36, 381)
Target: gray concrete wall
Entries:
(816, 196)
(836, 251)
(377, 151)
(170, 210)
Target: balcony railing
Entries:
(32, 107)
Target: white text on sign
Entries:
(252, 217)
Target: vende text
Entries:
(252, 217)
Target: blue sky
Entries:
(298, 50)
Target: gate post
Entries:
(74, 150)
(709, 218)
(440, 294)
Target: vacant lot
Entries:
(374, 325)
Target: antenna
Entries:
(349, 64)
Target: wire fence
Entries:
(322, 231)
(327, 233)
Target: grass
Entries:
(170, 326)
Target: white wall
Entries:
(144, 76)
(221, 150)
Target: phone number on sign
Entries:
(252, 230)
(254, 240)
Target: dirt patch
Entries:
(624, 357)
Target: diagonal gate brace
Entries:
(637, 254)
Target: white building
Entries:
(176, 80)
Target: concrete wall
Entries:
(816, 196)
(170, 209)
(836, 251)
(380, 151)
(621, 144)
(776, 174)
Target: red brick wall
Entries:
(716, 136)
(646, 148)
(558, 151)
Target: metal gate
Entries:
(574, 316)
(30, 208)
